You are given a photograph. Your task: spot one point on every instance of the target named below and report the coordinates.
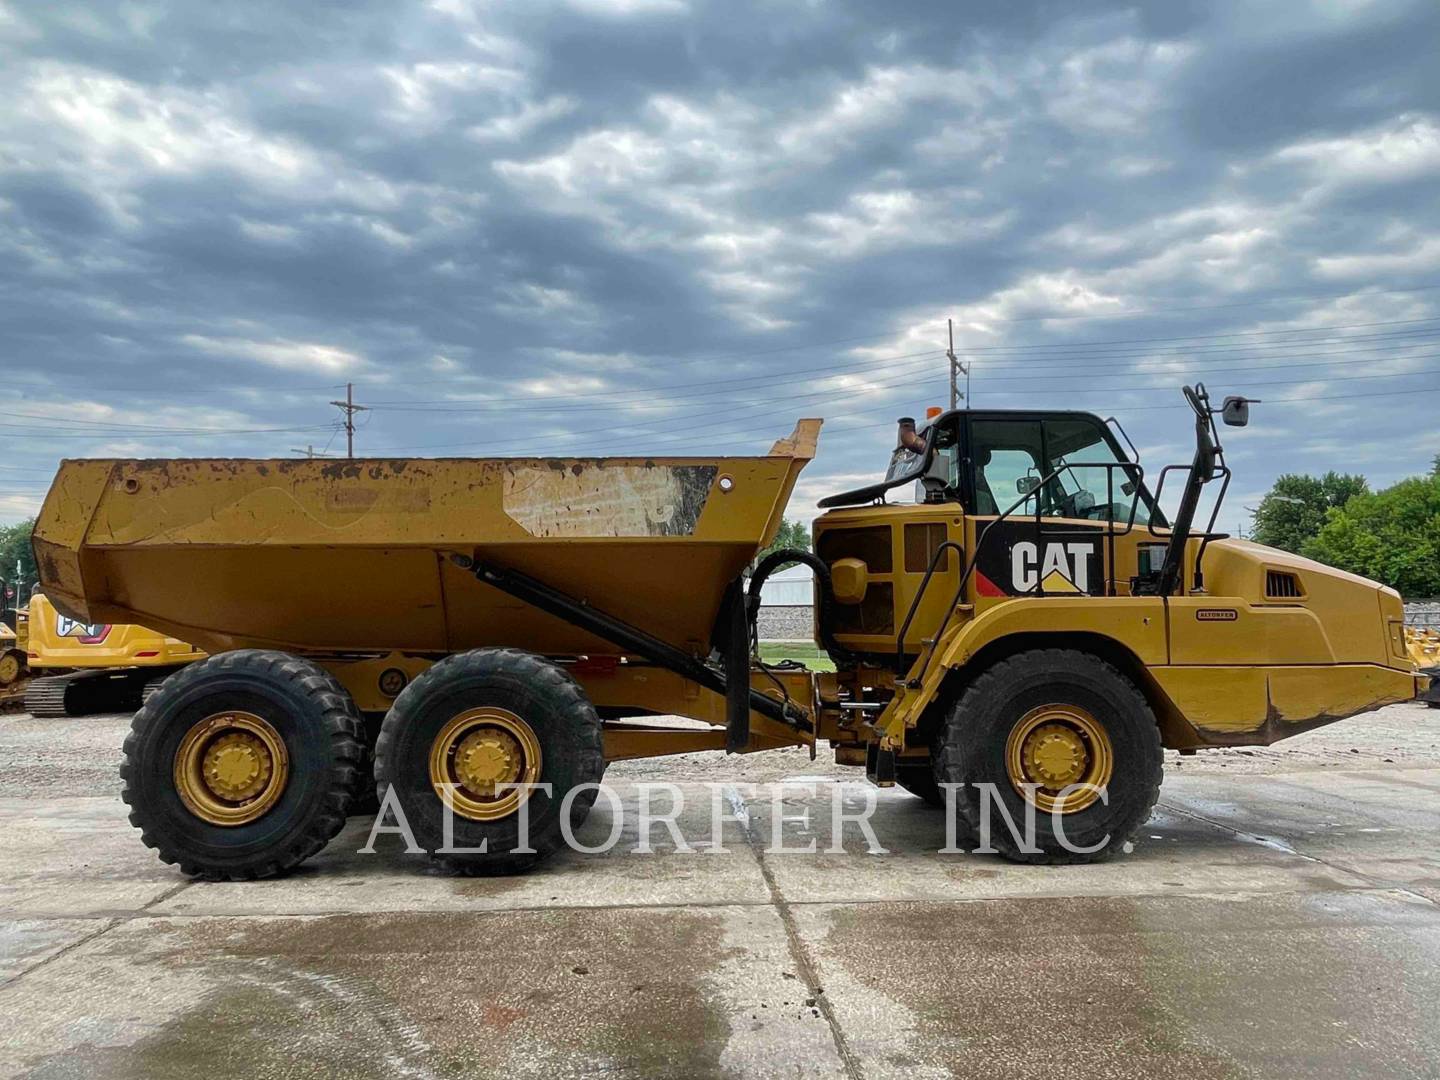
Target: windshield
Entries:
(1083, 486)
(1091, 479)
(904, 464)
(908, 464)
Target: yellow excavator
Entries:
(1423, 645)
(79, 668)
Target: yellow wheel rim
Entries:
(231, 768)
(478, 751)
(9, 668)
(1053, 747)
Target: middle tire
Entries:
(477, 721)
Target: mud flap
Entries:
(879, 765)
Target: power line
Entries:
(1071, 353)
(890, 424)
(51, 418)
(1203, 307)
(1064, 348)
(1227, 364)
(1169, 309)
(1207, 337)
(50, 433)
(1138, 389)
(648, 397)
(721, 418)
(857, 366)
(1367, 354)
(167, 390)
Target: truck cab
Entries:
(993, 531)
(1081, 519)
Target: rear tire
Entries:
(306, 710)
(558, 721)
(975, 739)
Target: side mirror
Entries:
(1026, 485)
(1236, 411)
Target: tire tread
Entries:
(335, 711)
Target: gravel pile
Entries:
(786, 623)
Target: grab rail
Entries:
(943, 548)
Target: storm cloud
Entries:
(668, 226)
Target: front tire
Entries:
(477, 721)
(920, 781)
(1032, 726)
(242, 765)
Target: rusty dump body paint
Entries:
(367, 556)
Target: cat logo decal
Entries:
(1060, 567)
(85, 633)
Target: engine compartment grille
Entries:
(1280, 585)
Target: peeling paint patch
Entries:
(586, 498)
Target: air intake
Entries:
(1281, 586)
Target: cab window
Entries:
(1083, 487)
(1004, 453)
(1009, 458)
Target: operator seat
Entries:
(984, 498)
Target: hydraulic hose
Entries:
(767, 566)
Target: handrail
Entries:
(940, 549)
(974, 560)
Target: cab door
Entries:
(1073, 501)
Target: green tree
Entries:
(1392, 536)
(1295, 507)
(15, 545)
(791, 534)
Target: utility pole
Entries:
(349, 408)
(309, 451)
(957, 368)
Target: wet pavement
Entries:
(1284, 925)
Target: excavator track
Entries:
(46, 697)
(151, 687)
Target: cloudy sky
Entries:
(672, 226)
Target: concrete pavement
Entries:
(1282, 925)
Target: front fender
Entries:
(1135, 622)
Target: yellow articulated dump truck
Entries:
(80, 667)
(1030, 629)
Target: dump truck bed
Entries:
(370, 554)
